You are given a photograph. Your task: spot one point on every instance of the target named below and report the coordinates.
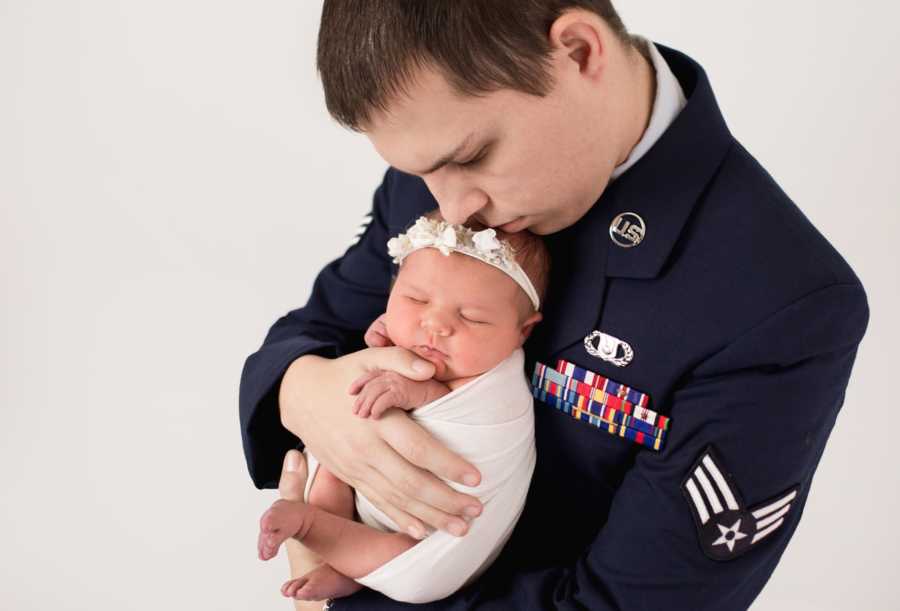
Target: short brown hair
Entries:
(369, 50)
(530, 253)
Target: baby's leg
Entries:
(352, 548)
(311, 580)
(333, 495)
(303, 561)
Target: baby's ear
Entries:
(529, 323)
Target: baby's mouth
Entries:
(430, 353)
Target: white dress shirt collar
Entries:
(667, 104)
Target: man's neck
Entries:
(642, 96)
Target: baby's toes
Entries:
(325, 582)
(289, 589)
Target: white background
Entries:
(170, 183)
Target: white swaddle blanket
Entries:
(489, 422)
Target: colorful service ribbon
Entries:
(604, 403)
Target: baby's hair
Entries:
(530, 253)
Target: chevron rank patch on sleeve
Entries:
(363, 225)
(726, 529)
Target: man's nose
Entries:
(457, 205)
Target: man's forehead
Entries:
(428, 122)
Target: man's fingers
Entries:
(418, 492)
(401, 360)
(293, 476)
(406, 522)
(420, 448)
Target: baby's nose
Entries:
(436, 325)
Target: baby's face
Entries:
(457, 312)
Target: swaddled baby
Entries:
(465, 300)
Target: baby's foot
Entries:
(293, 476)
(320, 583)
(283, 520)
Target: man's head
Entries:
(514, 113)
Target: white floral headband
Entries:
(482, 245)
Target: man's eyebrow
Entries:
(449, 157)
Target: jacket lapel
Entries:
(662, 188)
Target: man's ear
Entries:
(582, 36)
(529, 323)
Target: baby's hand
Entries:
(377, 335)
(381, 390)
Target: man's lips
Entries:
(510, 227)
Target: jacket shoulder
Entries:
(748, 225)
(751, 252)
(408, 198)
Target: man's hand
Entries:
(392, 461)
(378, 391)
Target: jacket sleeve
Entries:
(762, 408)
(348, 294)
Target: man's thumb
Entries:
(293, 476)
(402, 361)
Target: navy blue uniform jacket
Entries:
(745, 323)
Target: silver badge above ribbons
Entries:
(627, 230)
(610, 349)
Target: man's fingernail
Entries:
(472, 511)
(414, 532)
(421, 366)
(470, 479)
(293, 461)
(456, 528)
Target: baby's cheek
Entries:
(395, 329)
(471, 357)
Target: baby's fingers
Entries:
(371, 397)
(385, 402)
(374, 339)
(365, 397)
(362, 380)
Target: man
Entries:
(698, 333)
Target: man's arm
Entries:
(347, 295)
(702, 524)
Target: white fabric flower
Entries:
(486, 240)
(446, 241)
(422, 233)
